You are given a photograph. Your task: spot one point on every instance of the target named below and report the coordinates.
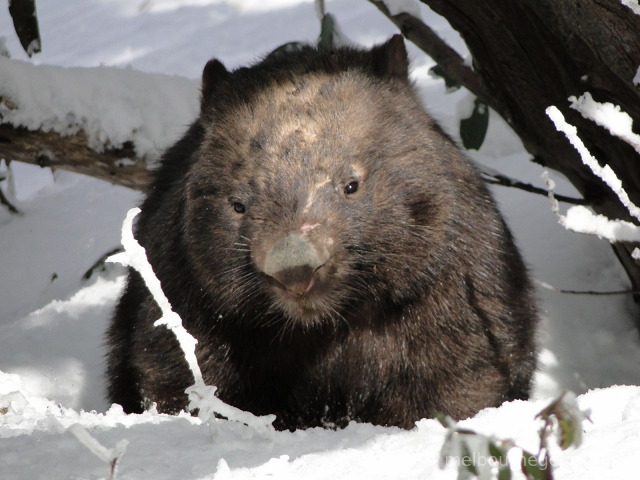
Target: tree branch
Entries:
(50, 149)
(495, 178)
(414, 30)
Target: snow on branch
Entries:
(609, 116)
(633, 5)
(112, 106)
(106, 122)
(580, 219)
(201, 396)
(110, 456)
(605, 173)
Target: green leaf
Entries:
(445, 420)
(567, 415)
(529, 468)
(504, 472)
(25, 22)
(533, 469)
(327, 32)
(467, 460)
(567, 433)
(474, 128)
(499, 454)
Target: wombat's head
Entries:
(316, 187)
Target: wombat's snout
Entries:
(293, 262)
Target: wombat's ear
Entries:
(214, 73)
(390, 58)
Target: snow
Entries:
(581, 220)
(53, 322)
(607, 115)
(33, 47)
(233, 451)
(605, 173)
(633, 5)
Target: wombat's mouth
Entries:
(297, 283)
(294, 264)
(308, 298)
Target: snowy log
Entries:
(72, 152)
(415, 30)
(110, 123)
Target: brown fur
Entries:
(333, 252)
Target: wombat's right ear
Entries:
(391, 59)
(213, 75)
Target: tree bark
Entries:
(49, 149)
(530, 54)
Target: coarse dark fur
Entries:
(331, 249)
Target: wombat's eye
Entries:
(239, 207)
(351, 188)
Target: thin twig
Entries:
(499, 179)
(496, 178)
(101, 262)
(4, 201)
(585, 292)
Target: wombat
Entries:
(333, 251)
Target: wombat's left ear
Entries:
(213, 75)
(390, 58)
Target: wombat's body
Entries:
(333, 252)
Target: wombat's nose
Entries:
(293, 262)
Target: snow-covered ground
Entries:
(52, 322)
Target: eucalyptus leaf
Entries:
(499, 453)
(534, 469)
(474, 129)
(504, 472)
(25, 22)
(327, 32)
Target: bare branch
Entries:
(495, 178)
(446, 57)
